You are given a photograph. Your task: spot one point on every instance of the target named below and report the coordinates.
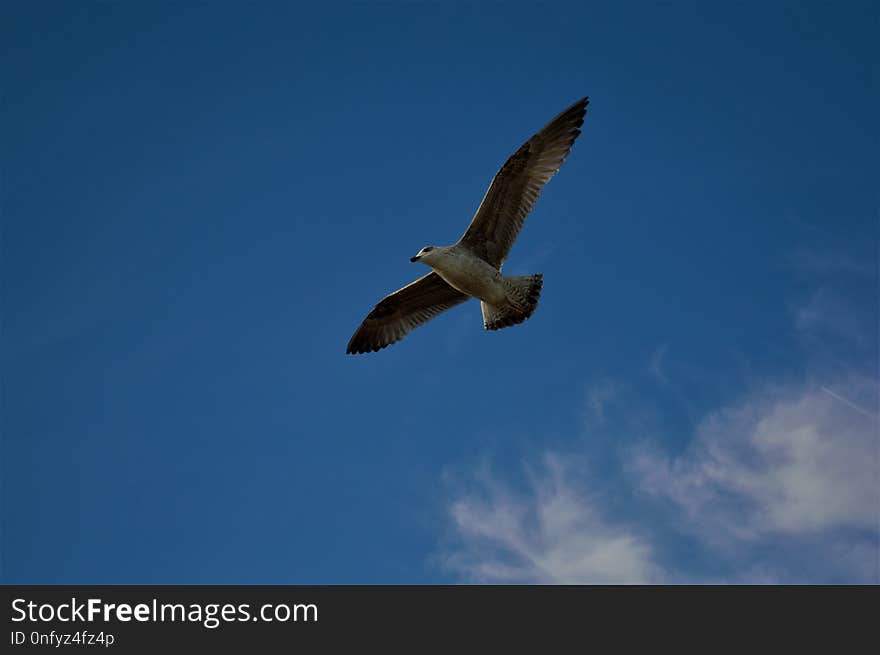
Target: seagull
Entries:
(471, 268)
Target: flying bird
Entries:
(471, 268)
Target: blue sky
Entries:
(200, 203)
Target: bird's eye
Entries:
(429, 248)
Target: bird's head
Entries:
(426, 255)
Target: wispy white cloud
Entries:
(555, 532)
(784, 461)
(784, 469)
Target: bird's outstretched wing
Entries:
(518, 184)
(404, 310)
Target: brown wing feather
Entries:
(404, 310)
(518, 184)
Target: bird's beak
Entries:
(414, 259)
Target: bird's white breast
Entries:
(471, 275)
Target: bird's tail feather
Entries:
(522, 298)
